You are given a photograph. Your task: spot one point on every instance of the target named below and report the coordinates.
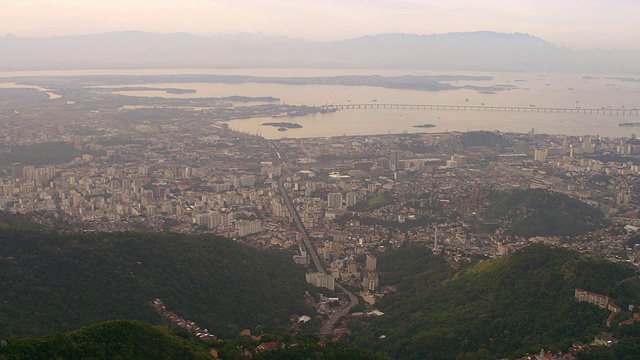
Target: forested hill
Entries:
(136, 340)
(58, 282)
(17, 222)
(483, 138)
(538, 212)
(504, 307)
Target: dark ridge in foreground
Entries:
(58, 282)
(137, 340)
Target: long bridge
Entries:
(534, 109)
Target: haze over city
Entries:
(570, 23)
(339, 179)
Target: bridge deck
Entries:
(604, 111)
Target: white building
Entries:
(334, 200)
(540, 155)
(319, 279)
(352, 199)
(248, 227)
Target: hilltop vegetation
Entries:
(482, 138)
(42, 154)
(17, 222)
(504, 307)
(373, 203)
(538, 212)
(136, 340)
(58, 282)
(121, 339)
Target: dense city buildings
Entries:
(180, 170)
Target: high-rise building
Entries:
(225, 129)
(352, 267)
(244, 181)
(248, 180)
(201, 219)
(321, 280)
(623, 198)
(176, 172)
(312, 186)
(352, 199)
(394, 160)
(587, 145)
(371, 262)
(249, 227)
(540, 155)
(370, 281)
(301, 258)
(376, 171)
(278, 209)
(17, 171)
(334, 200)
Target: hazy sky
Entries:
(578, 24)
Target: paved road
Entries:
(296, 217)
(327, 327)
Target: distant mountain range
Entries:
(474, 51)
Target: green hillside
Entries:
(58, 282)
(538, 212)
(17, 222)
(122, 339)
(42, 154)
(505, 307)
(482, 138)
(373, 203)
(136, 340)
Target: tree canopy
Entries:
(538, 212)
(507, 307)
(58, 282)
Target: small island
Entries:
(179, 91)
(283, 125)
(424, 126)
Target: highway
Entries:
(327, 327)
(296, 218)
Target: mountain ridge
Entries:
(460, 51)
(58, 282)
